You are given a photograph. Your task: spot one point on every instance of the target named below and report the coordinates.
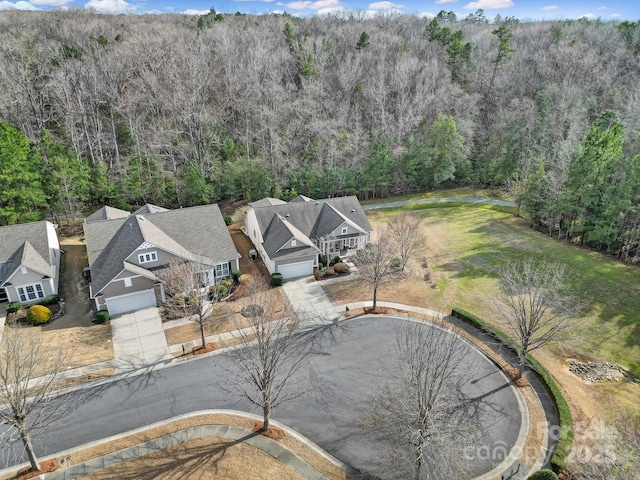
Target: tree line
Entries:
(182, 110)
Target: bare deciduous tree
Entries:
(418, 411)
(270, 354)
(29, 371)
(406, 231)
(375, 263)
(187, 285)
(532, 303)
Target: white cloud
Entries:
(489, 4)
(53, 3)
(191, 11)
(603, 8)
(550, 7)
(5, 5)
(330, 10)
(317, 5)
(588, 15)
(110, 6)
(426, 15)
(385, 6)
(440, 2)
(616, 15)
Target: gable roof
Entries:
(106, 213)
(25, 244)
(149, 208)
(267, 202)
(195, 233)
(279, 232)
(316, 218)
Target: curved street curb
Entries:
(267, 445)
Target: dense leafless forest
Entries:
(182, 110)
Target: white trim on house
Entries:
(31, 292)
(147, 257)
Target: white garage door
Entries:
(131, 302)
(293, 270)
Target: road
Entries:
(421, 201)
(340, 380)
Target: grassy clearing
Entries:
(468, 243)
(451, 192)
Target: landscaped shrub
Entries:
(228, 220)
(276, 279)
(235, 275)
(13, 307)
(335, 260)
(565, 421)
(341, 268)
(318, 274)
(396, 263)
(245, 279)
(49, 300)
(102, 316)
(324, 260)
(543, 475)
(331, 271)
(38, 314)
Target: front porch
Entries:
(342, 246)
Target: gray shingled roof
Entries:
(106, 213)
(315, 217)
(27, 242)
(267, 202)
(194, 233)
(149, 208)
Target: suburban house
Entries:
(290, 236)
(127, 251)
(29, 262)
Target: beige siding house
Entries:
(29, 262)
(290, 236)
(127, 251)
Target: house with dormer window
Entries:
(29, 262)
(127, 252)
(290, 236)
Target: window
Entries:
(344, 230)
(147, 257)
(30, 292)
(222, 270)
(127, 282)
(293, 242)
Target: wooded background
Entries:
(182, 110)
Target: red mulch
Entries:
(274, 433)
(513, 373)
(199, 350)
(45, 467)
(377, 311)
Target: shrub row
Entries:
(565, 421)
(13, 307)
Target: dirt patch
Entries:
(243, 244)
(596, 372)
(377, 311)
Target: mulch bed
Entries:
(274, 433)
(45, 467)
(199, 350)
(513, 373)
(377, 311)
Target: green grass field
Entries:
(467, 244)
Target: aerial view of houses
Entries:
(327, 239)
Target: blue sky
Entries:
(522, 9)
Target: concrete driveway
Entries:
(309, 301)
(139, 340)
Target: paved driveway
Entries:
(139, 340)
(339, 380)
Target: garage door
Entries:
(131, 302)
(293, 270)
